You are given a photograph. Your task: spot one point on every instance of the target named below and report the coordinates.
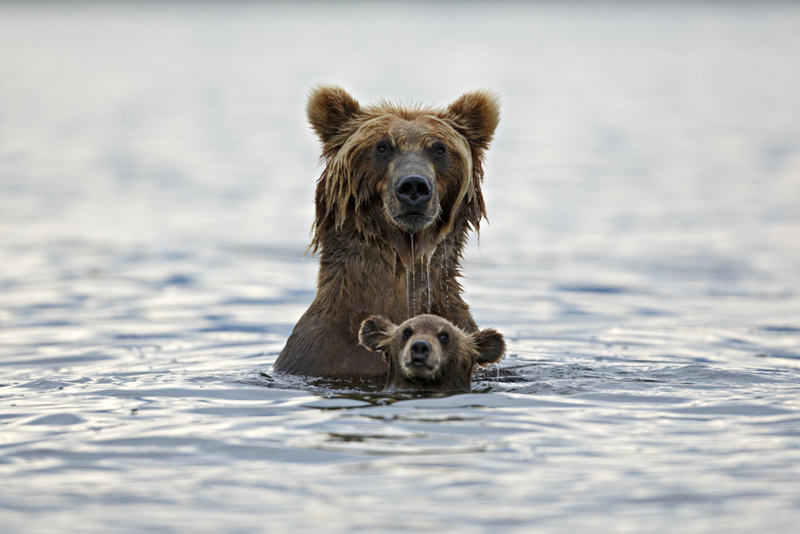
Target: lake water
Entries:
(643, 262)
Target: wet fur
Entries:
(364, 255)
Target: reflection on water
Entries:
(156, 185)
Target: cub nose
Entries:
(413, 189)
(420, 351)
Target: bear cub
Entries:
(429, 353)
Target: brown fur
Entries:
(452, 358)
(369, 242)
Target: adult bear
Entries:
(400, 190)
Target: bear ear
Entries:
(476, 115)
(491, 346)
(329, 108)
(376, 333)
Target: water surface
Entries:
(156, 186)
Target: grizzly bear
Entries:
(429, 353)
(400, 189)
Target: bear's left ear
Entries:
(476, 115)
(491, 346)
(329, 108)
(376, 333)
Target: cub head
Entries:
(406, 168)
(428, 352)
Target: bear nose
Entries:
(413, 189)
(420, 351)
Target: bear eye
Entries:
(439, 149)
(383, 147)
(406, 333)
(444, 337)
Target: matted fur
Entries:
(345, 186)
(364, 254)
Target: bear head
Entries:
(402, 169)
(429, 353)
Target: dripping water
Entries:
(413, 276)
(441, 276)
(446, 276)
(428, 272)
(408, 297)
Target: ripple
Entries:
(157, 188)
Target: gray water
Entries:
(643, 261)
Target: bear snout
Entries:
(414, 191)
(411, 197)
(420, 360)
(420, 351)
(413, 202)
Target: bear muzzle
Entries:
(412, 201)
(415, 204)
(419, 352)
(420, 360)
(414, 195)
(414, 191)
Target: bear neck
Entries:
(366, 269)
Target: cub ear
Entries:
(376, 333)
(491, 346)
(329, 108)
(476, 115)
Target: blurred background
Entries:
(656, 129)
(156, 195)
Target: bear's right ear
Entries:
(329, 108)
(376, 333)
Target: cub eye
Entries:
(439, 150)
(382, 148)
(406, 333)
(444, 337)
